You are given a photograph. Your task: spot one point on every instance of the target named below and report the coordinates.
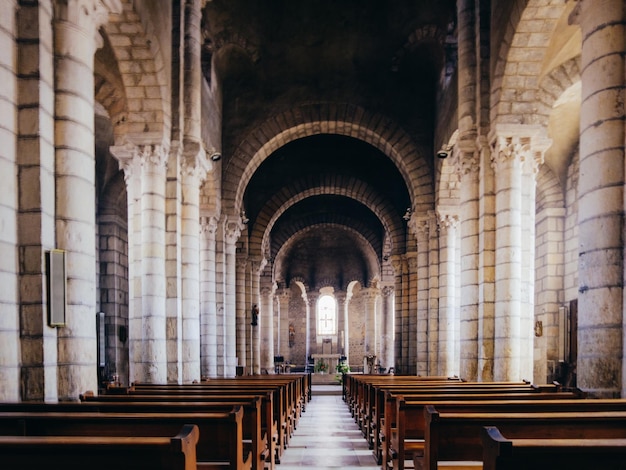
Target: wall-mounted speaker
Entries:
(57, 292)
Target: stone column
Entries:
(194, 168)
(507, 159)
(242, 317)
(420, 228)
(256, 267)
(283, 333)
(387, 360)
(433, 295)
(601, 368)
(400, 309)
(310, 300)
(412, 266)
(267, 329)
(469, 238)
(208, 301)
(232, 231)
(145, 171)
(76, 38)
(371, 335)
(28, 364)
(448, 229)
(342, 323)
(10, 361)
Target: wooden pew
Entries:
(256, 428)
(500, 453)
(451, 437)
(282, 408)
(289, 396)
(102, 452)
(220, 433)
(385, 411)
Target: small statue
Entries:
(255, 315)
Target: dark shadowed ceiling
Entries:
(386, 57)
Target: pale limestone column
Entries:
(412, 266)
(387, 360)
(193, 171)
(10, 360)
(267, 329)
(310, 300)
(173, 264)
(283, 332)
(145, 173)
(400, 308)
(342, 324)
(469, 240)
(433, 295)
(550, 241)
(371, 335)
(208, 309)
(76, 38)
(344, 310)
(255, 267)
(220, 296)
(232, 231)
(601, 368)
(420, 227)
(448, 229)
(530, 169)
(243, 312)
(486, 263)
(507, 160)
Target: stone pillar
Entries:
(76, 38)
(145, 171)
(243, 318)
(342, 322)
(433, 295)
(486, 263)
(310, 300)
(400, 309)
(256, 266)
(420, 228)
(412, 266)
(469, 238)
(601, 368)
(466, 11)
(448, 229)
(10, 360)
(344, 310)
(387, 360)
(283, 332)
(194, 168)
(371, 335)
(28, 364)
(232, 231)
(507, 159)
(267, 329)
(208, 301)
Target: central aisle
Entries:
(327, 437)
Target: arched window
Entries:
(326, 315)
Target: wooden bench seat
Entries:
(500, 453)
(392, 425)
(102, 452)
(220, 441)
(257, 418)
(452, 437)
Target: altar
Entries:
(330, 359)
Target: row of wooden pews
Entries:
(240, 423)
(403, 420)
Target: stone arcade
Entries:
(438, 184)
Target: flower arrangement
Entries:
(321, 366)
(343, 367)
